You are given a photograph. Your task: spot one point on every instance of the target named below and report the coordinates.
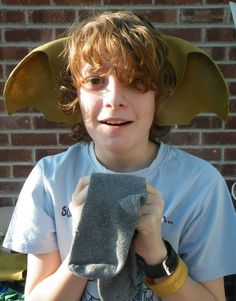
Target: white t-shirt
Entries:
(199, 218)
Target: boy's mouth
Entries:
(115, 123)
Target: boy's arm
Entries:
(148, 244)
(194, 291)
(49, 279)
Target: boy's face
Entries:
(118, 117)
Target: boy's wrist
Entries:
(165, 268)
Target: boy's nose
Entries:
(115, 95)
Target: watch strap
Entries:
(165, 268)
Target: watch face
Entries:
(166, 268)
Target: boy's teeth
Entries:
(115, 122)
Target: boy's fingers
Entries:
(83, 182)
(80, 192)
(150, 209)
(154, 204)
(152, 190)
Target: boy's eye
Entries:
(94, 83)
(138, 83)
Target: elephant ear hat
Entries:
(200, 86)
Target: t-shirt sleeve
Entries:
(32, 227)
(208, 245)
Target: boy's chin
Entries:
(115, 144)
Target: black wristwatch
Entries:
(165, 268)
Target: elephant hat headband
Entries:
(200, 86)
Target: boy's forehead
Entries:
(88, 69)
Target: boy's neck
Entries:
(120, 162)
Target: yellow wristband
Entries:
(171, 284)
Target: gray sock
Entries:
(102, 247)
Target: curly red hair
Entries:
(130, 45)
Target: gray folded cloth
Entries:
(102, 247)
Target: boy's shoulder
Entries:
(70, 151)
(75, 153)
(184, 161)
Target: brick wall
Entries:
(27, 136)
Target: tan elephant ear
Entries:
(200, 85)
(34, 83)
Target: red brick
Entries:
(85, 13)
(21, 171)
(1, 88)
(26, 2)
(15, 122)
(5, 171)
(219, 138)
(61, 32)
(2, 107)
(7, 201)
(28, 35)
(22, 155)
(227, 170)
(231, 122)
(195, 16)
(228, 70)
(1, 72)
(39, 122)
(40, 153)
(3, 139)
(9, 69)
(203, 122)
(76, 2)
(124, 2)
(12, 53)
(189, 34)
(183, 138)
(154, 15)
(217, 53)
(159, 15)
(34, 139)
(232, 53)
(232, 106)
(232, 88)
(52, 17)
(9, 187)
(217, 1)
(177, 2)
(209, 154)
(65, 139)
(12, 16)
(230, 154)
(220, 35)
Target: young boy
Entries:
(121, 77)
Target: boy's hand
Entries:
(148, 241)
(78, 199)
